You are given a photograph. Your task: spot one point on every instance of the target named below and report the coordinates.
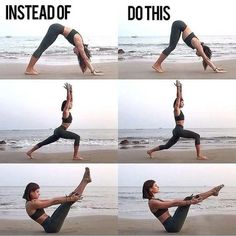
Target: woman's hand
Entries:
(97, 72)
(195, 201)
(177, 83)
(68, 86)
(219, 70)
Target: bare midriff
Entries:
(180, 122)
(42, 218)
(66, 125)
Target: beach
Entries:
(205, 224)
(139, 155)
(137, 69)
(86, 225)
(93, 156)
(16, 71)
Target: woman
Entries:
(159, 208)
(61, 131)
(35, 206)
(73, 37)
(179, 130)
(192, 41)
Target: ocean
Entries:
(210, 138)
(131, 204)
(149, 48)
(91, 139)
(96, 201)
(20, 49)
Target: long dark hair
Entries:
(181, 99)
(63, 105)
(31, 187)
(82, 64)
(146, 189)
(208, 53)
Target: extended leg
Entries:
(172, 141)
(58, 217)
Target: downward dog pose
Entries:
(73, 37)
(159, 208)
(35, 206)
(179, 130)
(192, 41)
(61, 131)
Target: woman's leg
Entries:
(58, 217)
(176, 29)
(213, 192)
(172, 141)
(47, 141)
(70, 135)
(53, 31)
(190, 134)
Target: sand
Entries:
(86, 225)
(16, 71)
(139, 155)
(143, 70)
(94, 156)
(204, 225)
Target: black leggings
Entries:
(60, 132)
(174, 223)
(178, 132)
(176, 29)
(54, 223)
(53, 31)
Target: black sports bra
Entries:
(159, 212)
(188, 40)
(180, 116)
(68, 119)
(37, 214)
(70, 36)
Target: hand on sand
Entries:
(97, 72)
(220, 70)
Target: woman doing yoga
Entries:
(35, 206)
(179, 130)
(61, 131)
(192, 41)
(159, 208)
(73, 37)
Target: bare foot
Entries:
(29, 154)
(202, 158)
(150, 154)
(87, 176)
(217, 189)
(31, 72)
(78, 158)
(158, 68)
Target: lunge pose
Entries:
(73, 37)
(61, 131)
(179, 130)
(192, 41)
(159, 208)
(35, 206)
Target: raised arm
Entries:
(69, 97)
(38, 204)
(173, 203)
(179, 95)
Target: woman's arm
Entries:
(173, 203)
(69, 97)
(178, 94)
(38, 204)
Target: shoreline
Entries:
(205, 224)
(136, 69)
(16, 71)
(83, 225)
(139, 155)
(91, 156)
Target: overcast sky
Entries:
(56, 174)
(91, 18)
(149, 103)
(177, 174)
(36, 104)
(203, 17)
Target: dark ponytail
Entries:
(208, 53)
(82, 63)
